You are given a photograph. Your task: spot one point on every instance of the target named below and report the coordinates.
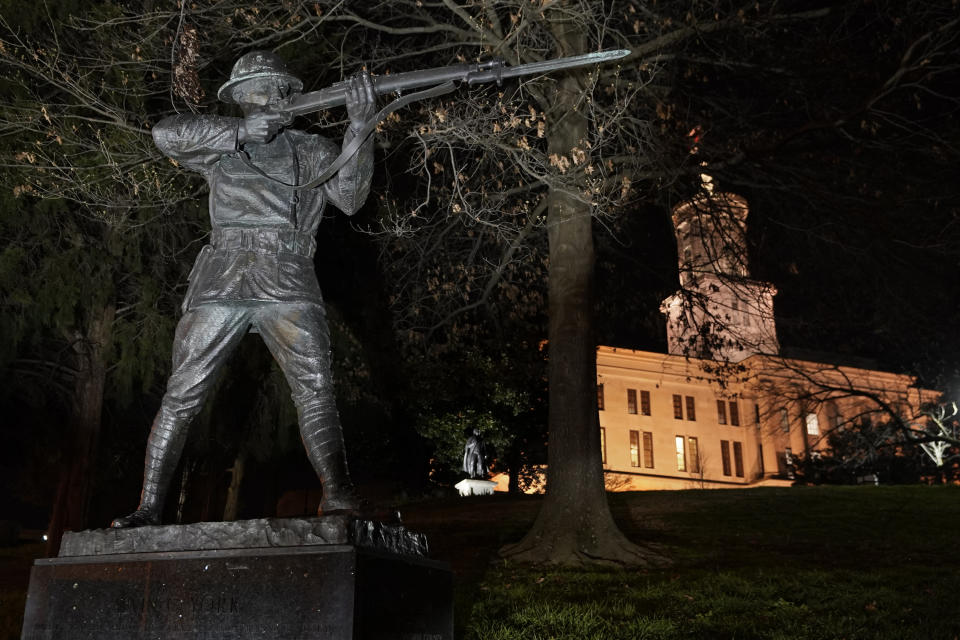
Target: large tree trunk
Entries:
(72, 501)
(574, 526)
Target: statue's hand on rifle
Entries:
(361, 100)
(259, 127)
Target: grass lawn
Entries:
(798, 563)
(815, 563)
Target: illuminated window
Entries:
(734, 414)
(648, 450)
(634, 448)
(691, 408)
(645, 403)
(725, 456)
(693, 447)
(738, 459)
(603, 445)
(813, 424)
(784, 420)
(677, 407)
(631, 400)
(721, 411)
(681, 453)
(600, 397)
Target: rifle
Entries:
(438, 81)
(495, 70)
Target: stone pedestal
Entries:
(297, 585)
(475, 487)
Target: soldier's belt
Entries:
(271, 241)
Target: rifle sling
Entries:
(359, 139)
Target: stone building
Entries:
(672, 422)
(723, 407)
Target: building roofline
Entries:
(751, 367)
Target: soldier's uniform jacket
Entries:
(263, 232)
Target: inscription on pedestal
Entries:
(330, 592)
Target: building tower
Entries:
(719, 312)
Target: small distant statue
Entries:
(474, 456)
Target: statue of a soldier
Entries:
(475, 462)
(257, 272)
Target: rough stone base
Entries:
(246, 534)
(315, 590)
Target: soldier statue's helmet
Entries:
(258, 64)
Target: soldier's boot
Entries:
(167, 437)
(323, 439)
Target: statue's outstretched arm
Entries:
(196, 142)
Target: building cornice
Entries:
(618, 361)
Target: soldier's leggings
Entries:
(297, 336)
